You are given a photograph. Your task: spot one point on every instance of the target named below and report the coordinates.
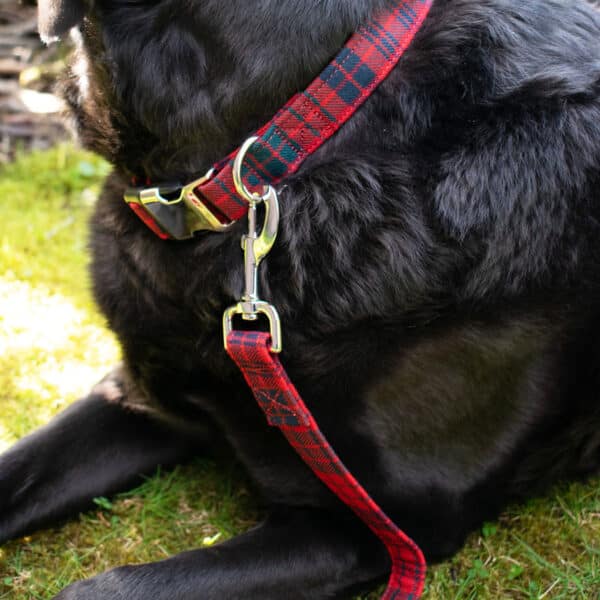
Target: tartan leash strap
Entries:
(284, 408)
(298, 129)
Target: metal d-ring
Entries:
(238, 181)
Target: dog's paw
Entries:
(106, 586)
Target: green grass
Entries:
(54, 346)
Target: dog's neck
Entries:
(214, 73)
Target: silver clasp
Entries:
(256, 245)
(166, 205)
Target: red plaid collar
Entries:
(306, 122)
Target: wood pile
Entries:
(29, 111)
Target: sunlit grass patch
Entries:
(53, 345)
(45, 199)
(51, 352)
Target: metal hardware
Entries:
(238, 163)
(205, 218)
(181, 225)
(255, 246)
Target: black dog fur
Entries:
(437, 273)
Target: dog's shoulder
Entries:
(547, 47)
(514, 134)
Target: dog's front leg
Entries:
(296, 554)
(95, 447)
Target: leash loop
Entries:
(284, 408)
(256, 245)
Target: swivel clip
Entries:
(256, 245)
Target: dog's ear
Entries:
(56, 17)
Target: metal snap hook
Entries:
(256, 245)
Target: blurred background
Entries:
(28, 69)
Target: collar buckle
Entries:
(205, 218)
(175, 212)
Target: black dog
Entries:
(437, 273)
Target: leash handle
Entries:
(284, 408)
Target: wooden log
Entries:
(8, 86)
(11, 67)
(20, 27)
(11, 40)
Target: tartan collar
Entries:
(298, 129)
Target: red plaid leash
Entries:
(298, 129)
(285, 409)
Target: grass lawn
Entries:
(53, 346)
